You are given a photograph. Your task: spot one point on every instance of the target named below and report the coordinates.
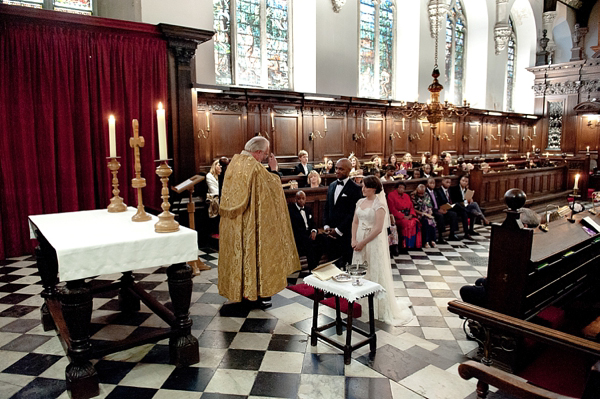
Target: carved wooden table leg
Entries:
(48, 269)
(348, 346)
(127, 301)
(76, 303)
(372, 335)
(183, 347)
(338, 316)
(313, 331)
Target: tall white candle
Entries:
(533, 148)
(272, 120)
(162, 132)
(576, 186)
(403, 124)
(112, 141)
(527, 154)
(453, 127)
(588, 149)
(207, 120)
(499, 129)
(367, 124)
(421, 123)
(325, 118)
(534, 130)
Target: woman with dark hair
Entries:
(369, 240)
(401, 207)
(329, 168)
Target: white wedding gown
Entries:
(376, 253)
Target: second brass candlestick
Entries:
(116, 202)
(166, 220)
(136, 142)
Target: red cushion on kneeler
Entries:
(356, 309)
(303, 289)
(551, 317)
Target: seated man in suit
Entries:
(303, 168)
(308, 242)
(342, 196)
(467, 209)
(442, 196)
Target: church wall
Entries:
(130, 10)
(563, 27)
(337, 49)
(592, 37)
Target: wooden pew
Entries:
(498, 326)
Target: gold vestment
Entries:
(256, 243)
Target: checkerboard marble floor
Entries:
(252, 353)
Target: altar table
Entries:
(351, 293)
(75, 246)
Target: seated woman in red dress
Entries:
(401, 207)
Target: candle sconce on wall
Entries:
(444, 136)
(202, 133)
(395, 135)
(414, 136)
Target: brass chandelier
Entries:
(434, 110)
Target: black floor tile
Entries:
(122, 392)
(110, 372)
(159, 354)
(280, 385)
(241, 359)
(306, 325)
(18, 311)
(42, 388)
(12, 287)
(259, 325)
(393, 363)
(288, 343)
(189, 379)
(32, 364)
(200, 322)
(20, 326)
(130, 318)
(214, 395)
(9, 278)
(361, 388)
(13, 299)
(25, 343)
(216, 339)
(430, 357)
(323, 364)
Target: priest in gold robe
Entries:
(256, 243)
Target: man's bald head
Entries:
(301, 198)
(343, 168)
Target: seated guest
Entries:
(355, 163)
(442, 196)
(406, 162)
(475, 294)
(530, 218)
(303, 167)
(328, 169)
(376, 172)
(401, 207)
(428, 171)
(376, 163)
(485, 167)
(313, 179)
(424, 209)
(416, 174)
(212, 178)
(393, 161)
(308, 242)
(434, 162)
(389, 173)
(469, 207)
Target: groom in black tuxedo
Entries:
(342, 196)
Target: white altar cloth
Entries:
(93, 243)
(346, 290)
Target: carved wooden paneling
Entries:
(588, 134)
(512, 138)
(492, 138)
(333, 143)
(285, 141)
(227, 134)
(423, 144)
(448, 138)
(398, 143)
(374, 143)
(474, 134)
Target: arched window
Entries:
(85, 7)
(456, 34)
(510, 66)
(376, 48)
(254, 50)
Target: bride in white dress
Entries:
(370, 243)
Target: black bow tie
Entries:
(341, 182)
(301, 209)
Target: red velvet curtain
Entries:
(58, 85)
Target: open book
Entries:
(469, 195)
(326, 271)
(447, 206)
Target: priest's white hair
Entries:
(257, 143)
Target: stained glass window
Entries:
(85, 7)
(455, 52)
(510, 66)
(260, 37)
(376, 53)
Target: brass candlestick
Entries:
(166, 220)
(138, 182)
(116, 202)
